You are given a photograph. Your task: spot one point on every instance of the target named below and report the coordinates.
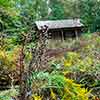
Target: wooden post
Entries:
(62, 36)
(76, 34)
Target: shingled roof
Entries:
(57, 24)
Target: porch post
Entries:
(76, 34)
(62, 35)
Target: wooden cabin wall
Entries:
(55, 34)
(62, 34)
(72, 32)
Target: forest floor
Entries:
(74, 72)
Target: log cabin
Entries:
(61, 29)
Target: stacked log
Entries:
(5, 81)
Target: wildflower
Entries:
(36, 97)
(67, 63)
(53, 95)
